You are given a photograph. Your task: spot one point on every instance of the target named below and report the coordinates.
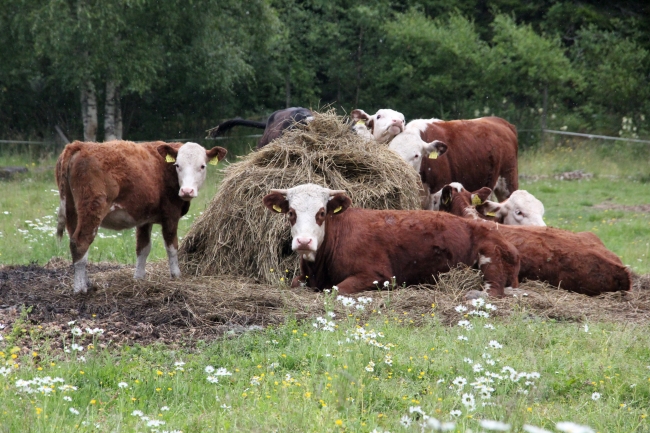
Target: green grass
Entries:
(297, 377)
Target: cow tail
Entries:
(61, 174)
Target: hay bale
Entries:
(237, 235)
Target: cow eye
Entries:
(176, 165)
(417, 156)
(378, 116)
(518, 212)
(202, 167)
(322, 214)
(290, 213)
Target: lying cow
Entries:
(355, 249)
(477, 153)
(520, 209)
(381, 126)
(119, 185)
(577, 262)
(278, 122)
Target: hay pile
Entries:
(237, 235)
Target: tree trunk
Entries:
(287, 89)
(359, 51)
(89, 110)
(112, 112)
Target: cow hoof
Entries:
(475, 294)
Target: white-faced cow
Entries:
(477, 153)
(578, 262)
(520, 209)
(381, 126)
(353, 248)
(278, 122)
(120, 185)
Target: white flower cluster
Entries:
(94, 331)
(44, 385)
(151, 422)
(359, 303)
(426, 422)
(324, 324)
(214, 378)
(369, 337)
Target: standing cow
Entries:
(278, 122)
(477, 153)
(577, 262)
(119, 185)
(355, 249)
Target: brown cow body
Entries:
(120, 185)
(577, 262)
(361, 248)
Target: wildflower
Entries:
(388, 359)
(468, 401)
(386, 283)
(223, 372)
(586, 328)
(465, 324)
(67, 398)
(455, 412)
(406, 421)
(532, 429)
(488, 326)
(179, 365)
(331, 314)
(477, 368)
(416, 409)
(212, 379)
(460, 382)
(338, 422)
(595, 396)
(494, 425)
(375, 282)
(74, 411)
(571, 427)
(164, 408)
(468, 360)
(479, 302)
(255, 380)
(122, 385)
(155, 423)
(76, 331)
(209, 369)
(495, 344)
(371, 366)
(72, 322)
(81, 359)
(137, 413)
(460, 308)
(462, 338)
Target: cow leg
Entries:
(499, 264)
(356, 284)
(80, 241)
(142, 249)
(169, 231)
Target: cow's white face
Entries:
(435, 198)
(307, 206)
(382, 126)
(412, 149)
(521, 209)
(190, 161)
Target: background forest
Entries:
(149, 69)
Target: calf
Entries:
(119, 185)
(577, 262)
(356, 249)
(278, 122)
(381, 126)
(477, 153)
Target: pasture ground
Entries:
(539, 359)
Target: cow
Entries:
(476, 152)
(520, 209)
(278, 122)
(119, 185)
(356, 249)
(577, 262)
(381, 126)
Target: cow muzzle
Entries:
(304, 244)
(187, 193)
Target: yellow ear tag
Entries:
(446, 200)
(361, 122)
(433, 155)
(170, 158)
(214, 161)
(338, 209)
(277, 208)
(492, 214)
(476, 200)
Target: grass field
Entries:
(341, 372)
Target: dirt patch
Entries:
(639, 208)
(175, 311)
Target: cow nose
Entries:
(303, 241)
(187, 192)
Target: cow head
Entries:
(455, 199)
(437, 197)
(190, 160)
(307, 207)
(382, 126)
(521, 209)
(410, 146)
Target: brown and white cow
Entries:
(520, 209)
(477, 153)
(278, 122)
(577, 262)
(119, 185)
(381, 126)
(355, 249)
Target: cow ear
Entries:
(276, 202)
(491, 209)
(446, 197)
(168, 152)
(216, 154)
(359, 115)
(435, 149)
(478, 197)
(338, 203)
(370, 124)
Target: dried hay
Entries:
(237, 235)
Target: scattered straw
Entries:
(237, 235)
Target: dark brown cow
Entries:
(578, 262)
(477, 153)
(356, 249)
(120, 185)
(275, 125)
